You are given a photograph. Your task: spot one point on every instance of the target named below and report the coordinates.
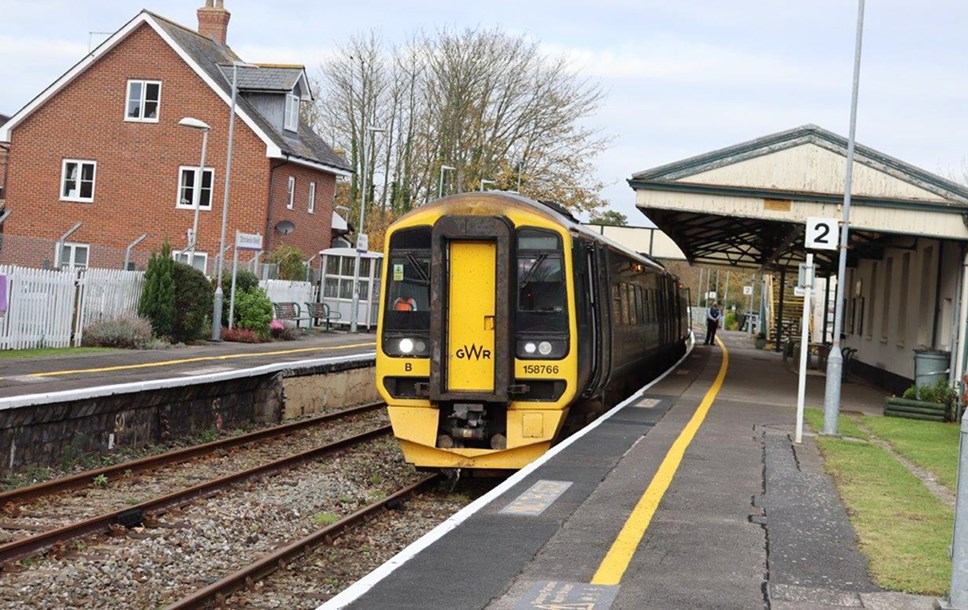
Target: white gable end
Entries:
(810, 168)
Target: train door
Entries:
(601, 307)
(471, 287)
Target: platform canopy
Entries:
(747, 205)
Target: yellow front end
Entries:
(531, 426)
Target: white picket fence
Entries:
(106, 293)
(286, 291)
(47, 308)
(39, 308)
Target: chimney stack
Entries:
(213, 21)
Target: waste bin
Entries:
(930, 366)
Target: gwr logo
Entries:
(474, 352)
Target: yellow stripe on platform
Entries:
(613, 567)
(126, 367)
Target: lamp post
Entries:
(219, 295)
(440, 189)
(193, 123)
(483, 182)
(360, 235)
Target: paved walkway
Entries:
(68, 372)
(747, 519)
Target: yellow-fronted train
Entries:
(505, 325)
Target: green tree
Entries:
(158, 296)
(290, 261)
(609, 218)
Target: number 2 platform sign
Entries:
(822, 233)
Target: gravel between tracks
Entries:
(330, 569)
(188, 548)
(120, 493)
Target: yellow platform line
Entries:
(126, 367)
(616, 561)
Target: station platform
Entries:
(691, 495)
(89, 370)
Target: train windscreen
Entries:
(541, 302)
(408, 281)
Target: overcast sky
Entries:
(682, 77)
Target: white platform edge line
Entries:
(14, 402)
(357, 589)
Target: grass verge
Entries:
(931, 445)
(903, 530)
(44, 352)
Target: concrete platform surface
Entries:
(69, 372)
(749, 519)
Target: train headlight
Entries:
(406, 346)
(538, 349)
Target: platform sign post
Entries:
(807, 281)
(243, 241)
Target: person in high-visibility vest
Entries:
(405, 304)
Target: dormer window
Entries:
(292, 112)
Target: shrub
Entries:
(245, 281)
(125, 332)
(290, 261)
(730, 322)
(940, 393)
(158, 296)
(254, 312)
(286, 331)
(240, 335)
(193, 303)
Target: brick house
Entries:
(102, 146)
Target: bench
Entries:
(321, 311)
(290, 311)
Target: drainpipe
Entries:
(127, 252)
(936, 322)
(958, 368)
(272, 183)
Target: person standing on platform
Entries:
(713, 316)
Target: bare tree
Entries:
(485, 102)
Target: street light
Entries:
(193, 123)
(360, 235)
(440, 189)
(483, 182)
(219, 295)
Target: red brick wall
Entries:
(137, 163)
(313, 231)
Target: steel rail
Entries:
(135, 514)
(219, 590)
(86, 478)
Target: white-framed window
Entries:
(292, 112)
(143, 101)
(199, 260)
(73, 256)
(187, 179)
(77, 180)
(312, 197)
(292, 192)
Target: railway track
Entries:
(18, 516)
(216, 593)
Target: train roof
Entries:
(559, 214)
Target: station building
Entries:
(745, 206)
